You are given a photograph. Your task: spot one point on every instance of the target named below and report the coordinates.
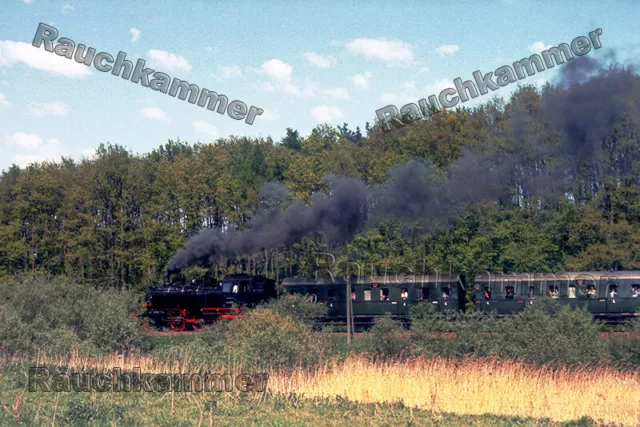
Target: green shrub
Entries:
(297, 308)
(108, 322)
(265, 339)
(56, 315)
(387, 338)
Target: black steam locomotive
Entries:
(189, 306)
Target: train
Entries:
(610, 296)
(189, 306)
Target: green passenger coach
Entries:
(607, 295)
(374, 297)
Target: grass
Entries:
(465, 392)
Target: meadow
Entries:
(546, 366)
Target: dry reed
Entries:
(470, 386)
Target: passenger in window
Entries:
(613, 292)
(383, 296)
(445, 293)
(487, 294)
(292, 294)
(572, 291)
(509, 294)
(312, 298)
(591, 291)
(235, 288)
(353, 295)
(532, 292)
(635, 291)
(404, 294)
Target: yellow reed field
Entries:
(477, 387)
(471, 386)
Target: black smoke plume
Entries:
(582, 107)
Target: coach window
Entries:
(635, 290)
(331, 295)
(508, 292)
(404, 293)
(487, 293)
(367, 294)
(613, 291)
(532, 292)
(424, 294)
(384, 294)
(313, 296)
(446, 292)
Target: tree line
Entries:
(567, 158)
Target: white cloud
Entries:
(154, 113)
(382, 49)
(41, 109)
(23, 148)
(213, 50)
(135, 34)
(89, 153)
(204, 127)
(231, 72)
(447, 49)
(270, 115)
(437, 87)
(338, 93)
(409, 86)
(410, 93)
(265, 87)
(168, 61)
(325, 113)
(540, 82)
(27, 1)
(12, 53)
(281, 73)
(362, 80)
(319, 61)
(3, 101)
(277, 70)
(425, 70)
(66, 8)
(538, 47)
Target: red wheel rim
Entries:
(178, 325)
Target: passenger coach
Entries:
(372, 298)
(607, 295)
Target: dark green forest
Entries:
(562, 163)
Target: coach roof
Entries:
(391, 279)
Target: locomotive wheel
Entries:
(178, 325)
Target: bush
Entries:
(566, 335)
(56, 315)
(387, 338)
(297, 308)
(265, 339)
(108, 322)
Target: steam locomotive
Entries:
(183, 307)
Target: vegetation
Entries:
(572, 200)
(546, 365)
(80, 240)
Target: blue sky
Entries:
(304, 63)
